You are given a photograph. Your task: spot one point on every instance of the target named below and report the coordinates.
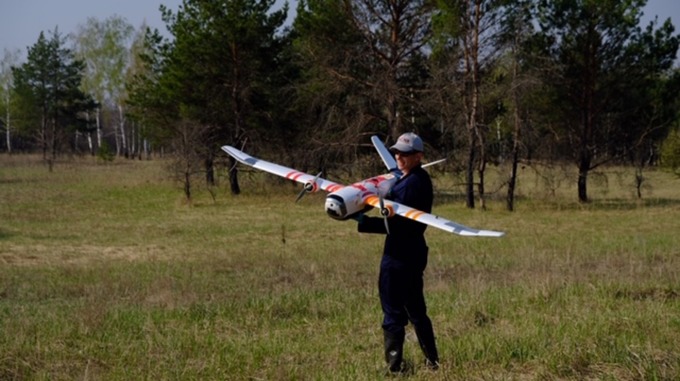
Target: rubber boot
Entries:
(427, 343)
(394, 351)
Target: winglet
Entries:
(384, 153)
(239, 155)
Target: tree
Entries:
(9, 60)
(361, 65)
(393, 32)
(49, 85)
(516, 29)
(330, 87)
(104, 46)
(138, 68)
(670, 151)
(597, 58)
(216, 73)
(468, 30)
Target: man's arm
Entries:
(374, 225)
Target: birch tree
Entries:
(104, 46)
(9, 60)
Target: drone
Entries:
(350, 201)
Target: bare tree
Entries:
(468, 31)
(393, 31)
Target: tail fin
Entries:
(384, 153)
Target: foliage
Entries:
(362, 71)
(104, 153)
(216, 74)
(48, 86)
(592, 85)
(104, 48)
(601, 68)
(7, 101)
(670, 151)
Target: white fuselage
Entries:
(350, 200)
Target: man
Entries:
(405, 258)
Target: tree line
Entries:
(484, 82)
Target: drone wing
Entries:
(282, 171)
(430, 219)
(384, 153)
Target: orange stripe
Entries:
(414, 214)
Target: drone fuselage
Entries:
(345, 202)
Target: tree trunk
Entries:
(53, 143)
(8, 125)
(510, 199)
(233, 178)
(584, 167)
(209, 171)
(99, 129)
(512, 182)
(470, 177)
(89, 143)
(472, 17)
(187, 184)
(480, 185)
(121, 121)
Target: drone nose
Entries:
(335, 207)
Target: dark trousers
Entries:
(401, 295)
(402, 300)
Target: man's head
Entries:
(408, 151)
(408, 142)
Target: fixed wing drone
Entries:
(343, 202)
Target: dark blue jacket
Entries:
(405, 241)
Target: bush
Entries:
(670, 151)
(104, 153)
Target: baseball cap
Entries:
(408, 142)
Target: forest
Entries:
(485, 82)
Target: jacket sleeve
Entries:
(371, 225)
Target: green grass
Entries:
(107, 274)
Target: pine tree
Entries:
(49, 87)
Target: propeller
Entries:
(308, 187)
(385, 213)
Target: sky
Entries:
(21, 21)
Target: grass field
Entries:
(107, 274)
